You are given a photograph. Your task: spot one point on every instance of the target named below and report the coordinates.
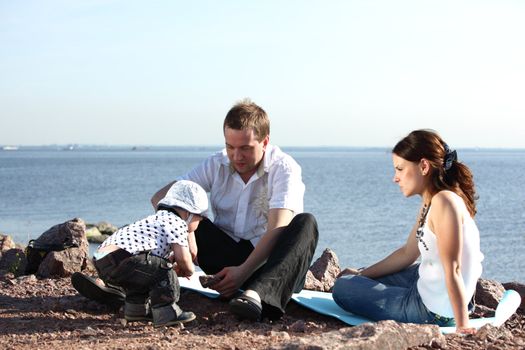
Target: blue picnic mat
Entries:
(324, 304)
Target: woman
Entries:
(440, 287)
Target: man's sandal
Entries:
(246, 307)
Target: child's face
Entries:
(194, 223)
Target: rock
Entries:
(89, 267)
(6, 243)
(63, 263)
(72, 232)
(325, 270)
(281, 334)
(380, 335)
(489, 333)
(298, 326)
(208, 280)
(92, 231)
(94, 235)
(28, 279)
(311, 283)
(520, 288)
(106, 228)
(483, 311)
(488, 293)
(14, 261)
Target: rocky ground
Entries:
(49, 314)
(45, 312)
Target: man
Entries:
(259, 240)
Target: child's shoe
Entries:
(170, 315)
(137, 312)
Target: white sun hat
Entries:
(186, 195)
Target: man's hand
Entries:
(231, 279)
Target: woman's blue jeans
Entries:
(392, 297)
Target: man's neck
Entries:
(247, 176)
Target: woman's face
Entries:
(409, 176)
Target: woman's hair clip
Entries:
(450, 157)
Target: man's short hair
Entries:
(245, 115)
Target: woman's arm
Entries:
(446, 222)
(397, 261)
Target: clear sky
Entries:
(329, 73)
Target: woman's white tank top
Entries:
(431, 284)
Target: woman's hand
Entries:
(348, 271)
(466, 330)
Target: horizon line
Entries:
(137, 147)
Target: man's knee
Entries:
(305, 224)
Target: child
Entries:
(139, 257)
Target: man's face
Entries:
(244, 150)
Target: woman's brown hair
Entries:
(447, 172)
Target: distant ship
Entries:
(10, 148)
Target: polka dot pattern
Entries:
(154, 233)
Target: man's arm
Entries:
(233, 277)
(160, 194)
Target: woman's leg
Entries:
(379, 301)
(405, 278)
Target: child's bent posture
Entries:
(145, 258)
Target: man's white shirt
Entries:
(241, 209)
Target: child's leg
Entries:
(155, 275)
(143, 276)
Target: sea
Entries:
(361, 213)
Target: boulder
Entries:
(520, 288)
(489, 333)
(380, 335)
(94, 235)
(488, 293)
(72, 233)
(323, 272)
(311, 283)
(65, 262)
(106, 228)
(14, 261)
